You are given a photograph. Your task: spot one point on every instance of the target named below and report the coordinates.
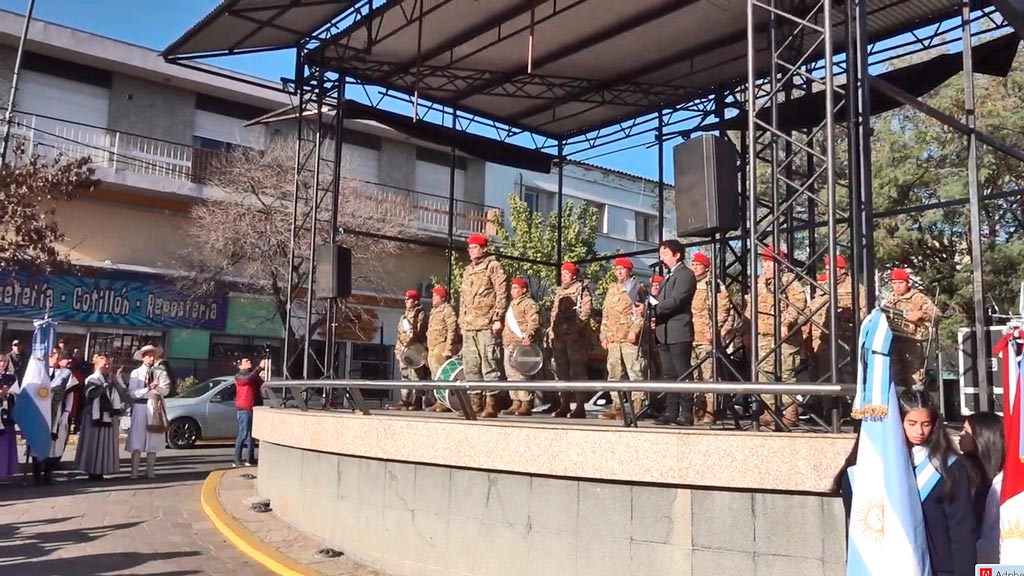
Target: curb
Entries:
(251, 545)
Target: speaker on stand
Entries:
(333, 277)
(706, 186)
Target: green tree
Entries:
(919, 161)
(534, 236)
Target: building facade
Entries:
(152, 128)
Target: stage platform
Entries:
(415, 493)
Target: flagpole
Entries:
(14, 82)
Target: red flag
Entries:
(1008, 350)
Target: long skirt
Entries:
(139, 438)
(60, 444)
(98, 448)
(8, 453)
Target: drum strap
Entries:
(513, 325)
(406, 325)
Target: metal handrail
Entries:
(461, 389)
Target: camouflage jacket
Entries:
(845, 317)
(914, 301)
(412, 327)
(442, 327)
(483, 296)
(703, 328)
(571, 309)
(792, 303)
(618, 322)
(527, 317)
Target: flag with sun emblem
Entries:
(32, 411)
(887, 534)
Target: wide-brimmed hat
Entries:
(156, 350)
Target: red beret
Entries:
(624, 262)
(412, 294)
(657, 279)
(440, 291)
(569, 266)
(770, 253)
(840, 261)
(823, 277)
(702, 258)
(478, 239)
(900, 274)
(521, 282)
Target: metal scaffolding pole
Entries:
(9, 115)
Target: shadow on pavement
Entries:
(99, 564)
(17, 544)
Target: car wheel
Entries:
(183, 433)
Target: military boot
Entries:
(526, 409)
(611, 414)
(516, 405)
(476, 401)
(491, 409)
(791, 415)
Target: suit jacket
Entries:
(674, 318)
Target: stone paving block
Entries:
(554, 504)
(508, 497)
(507, 548)
(469, 492)
(788, 525)
(552, 553)
(723, 521)
(650, 558)
(602, 556)
(722, 562)
(432, 489)
(400, 485)
(429, 539)
(371, 481)
(465, 549)
(771, 565)
(661, 515)
(397, 534)
(604, 511)
(348, 477)
(833, 522)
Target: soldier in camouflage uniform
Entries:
(654, 362)
(569, 337)
(846, 332)
(790, 310)
(442, 332)
(522, 323)
(914, 315)
(483, 298)
(412, 329)
(704, 332)
(620, 333)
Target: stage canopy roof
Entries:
(594, 63)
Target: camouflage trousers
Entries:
(624, 360)
(821, 363)
(413, 395)
(703, 359)
(513, 375)
(481, 357)
(908, 363)
(785, 372)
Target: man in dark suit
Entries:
(674, 330)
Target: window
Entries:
(646, 227)
(538, 200)
(602, 213)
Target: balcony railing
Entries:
(122, 152)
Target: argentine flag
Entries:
(887, 534)
(32, 411)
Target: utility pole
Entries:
(14, 82)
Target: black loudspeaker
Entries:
(707, 186)
(333, 278)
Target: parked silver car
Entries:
(207, 411)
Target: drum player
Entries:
(411, 351)
(442, 334)
(522, 327)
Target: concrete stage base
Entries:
(418, 495)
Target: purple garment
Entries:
(8, 453)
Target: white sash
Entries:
(406, 325)
(928, 476)
(510, 321)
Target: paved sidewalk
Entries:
(119, 526)
(236, 493)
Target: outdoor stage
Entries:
(419, 493)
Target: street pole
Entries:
(14, 82)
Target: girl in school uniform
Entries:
(983, 442)
(947, 503)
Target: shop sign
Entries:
(139, 300)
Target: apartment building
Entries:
(151, 128)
